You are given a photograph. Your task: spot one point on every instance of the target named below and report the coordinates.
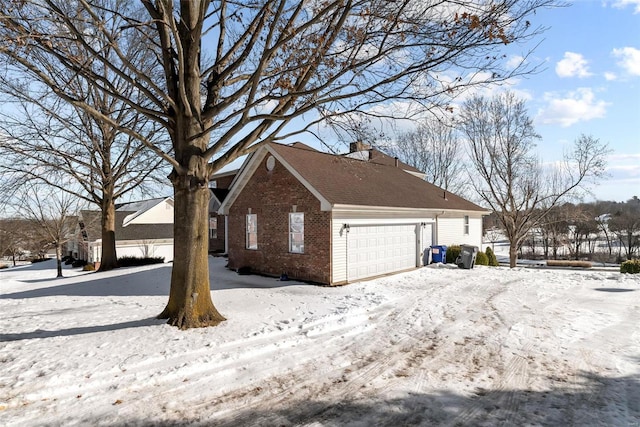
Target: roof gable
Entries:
(154, 211)
(254, 161)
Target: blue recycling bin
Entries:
(439, 253)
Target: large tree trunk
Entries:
(190, 304)
(109, 258)
(59, 259)
(513, 254)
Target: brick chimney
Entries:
(358, 146)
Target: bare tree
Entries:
(44, 138)
(434, 148)
(14, 238)
(603, 212)
(508, 175)
(357, 127)
(625, 223)
(582, 228)
(51, 214)
(555, 228)
(235, 75)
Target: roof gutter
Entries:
(432, 211)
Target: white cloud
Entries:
(572, 65)
(514, 62)
(621, 4)
(609, 76)
(577, 106)
(624, 171)
(629, 59)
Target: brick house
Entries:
(219, 186)
(337, 219)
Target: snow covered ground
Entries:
(434, 346)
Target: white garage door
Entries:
(373, 250)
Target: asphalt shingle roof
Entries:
(131, 232)
(347, 181)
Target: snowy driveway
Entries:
(435, 346)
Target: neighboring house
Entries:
(143, 229)
(334, 219)
(219, 185)
(217, 222)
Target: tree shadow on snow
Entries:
(142, 283)
(153, 282)
(40, 333)
(586, 400)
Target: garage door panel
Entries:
(380, 249)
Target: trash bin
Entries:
(467, 257)
(439, 254)
(426, 256)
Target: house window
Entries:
(296, 232)
(466, 225)
(252, 231)
(213, 227)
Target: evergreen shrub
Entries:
(493, 261)
(79, 263)
(630, 267)
(452, 253)
(482, 259)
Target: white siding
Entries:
(338, 252)
(138, 249)
(451, 231)
(146, 249)
(475, 232)
(428, 239)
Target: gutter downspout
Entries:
(438, 228)
(226, 234)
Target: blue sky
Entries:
(588, 82)
(590, 85)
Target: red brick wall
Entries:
(270, 195)
(224, 181)
(217, 245)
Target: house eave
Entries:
(394, 209)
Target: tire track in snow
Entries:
(183, 370)
(343, 383)
(296, 382)
(514, 375)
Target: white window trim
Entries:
(293, 250)
(248, 233)
(212, 230)
(466, 225)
